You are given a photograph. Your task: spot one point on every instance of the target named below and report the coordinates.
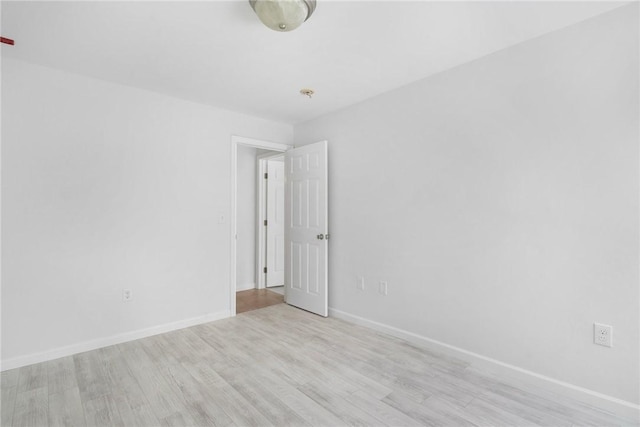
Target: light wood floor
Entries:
(254, 299)
(275, 366)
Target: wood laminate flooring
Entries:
(277, 366)
(254, 299)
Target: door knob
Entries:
(320, 236)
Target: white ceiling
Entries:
(218, 52)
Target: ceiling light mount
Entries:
(283, 15)
(307, 92)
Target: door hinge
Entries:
(265, 222)
(266, 175)
(264, 270)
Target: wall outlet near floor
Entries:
(126, 295)
(382, 288)
(360, 283)
(603, 334)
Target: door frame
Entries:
(261, 235)
(233, 231)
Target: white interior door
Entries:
(275, 223)
(306, 230)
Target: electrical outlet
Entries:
(383, 288)
(360, 283)
(126, 295)
(603, 335)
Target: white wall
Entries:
(246, 219)
(500, 201)
(106, 187)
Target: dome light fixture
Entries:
(283, 15)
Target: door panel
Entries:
(306, 228)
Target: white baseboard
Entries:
(245, 287)
(612, 404)
(30, 359)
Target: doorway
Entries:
(260, 229)
(247, 290)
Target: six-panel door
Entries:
(306, 230)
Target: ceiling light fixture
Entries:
(283, 15)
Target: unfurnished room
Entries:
(320, 213)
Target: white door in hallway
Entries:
(306, 230)
(275, 223)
